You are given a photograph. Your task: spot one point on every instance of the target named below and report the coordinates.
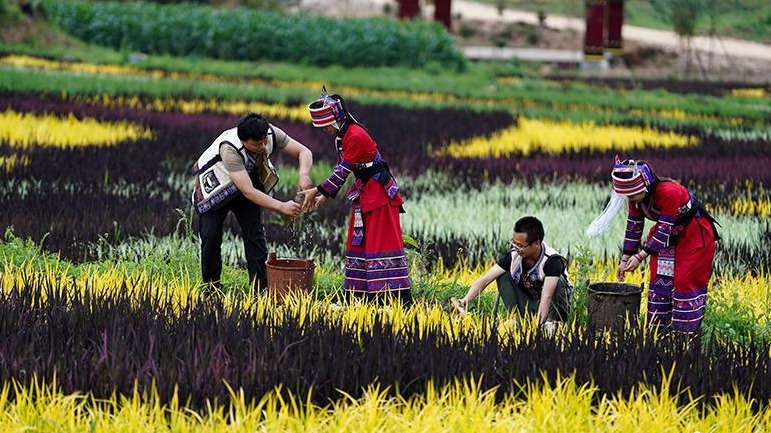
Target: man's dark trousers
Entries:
(249, 216)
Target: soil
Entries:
(637, 60)
(28, 30)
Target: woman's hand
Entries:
(320, 199)
(621, 269)
(633, 262)
(309, 202)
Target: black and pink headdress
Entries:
(631, 177)
(326, 110)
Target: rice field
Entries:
(105, 327)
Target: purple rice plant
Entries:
(110, 342)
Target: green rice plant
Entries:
(566, 209)
(72, 83)
(582, 270)
(16, 252)
(255, 35)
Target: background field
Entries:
(104, 322)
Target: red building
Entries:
(604, 19)
(409, 9)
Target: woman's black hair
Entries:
(348, 116)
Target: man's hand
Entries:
(548, 327)
(461, 305)
(304, 182)
(290, 208)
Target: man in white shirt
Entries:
(236, 175)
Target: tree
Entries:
(683, 15)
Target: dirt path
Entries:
(659, 38)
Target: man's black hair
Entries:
(531, 226)
(252, 126)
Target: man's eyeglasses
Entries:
(519, 247)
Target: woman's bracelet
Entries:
(639, 257)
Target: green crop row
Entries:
(201, 31)
(729, 117)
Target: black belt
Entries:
(367, 170)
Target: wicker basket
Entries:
(288, 274)
(611, 303)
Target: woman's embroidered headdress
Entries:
(326, 110)
(631, 177)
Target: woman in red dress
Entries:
(681, 245)
(375, 262)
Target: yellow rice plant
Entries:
(755, 92)
(534, 135)
(753, 200)
(9, 163)
(744, 206)
(753, 292)
(647, 409)
(23, 130)
(461, 273)
(459, 407)
(39, 63)
(97, 279)
(357, 316)
(31, 62)
(733, 413)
